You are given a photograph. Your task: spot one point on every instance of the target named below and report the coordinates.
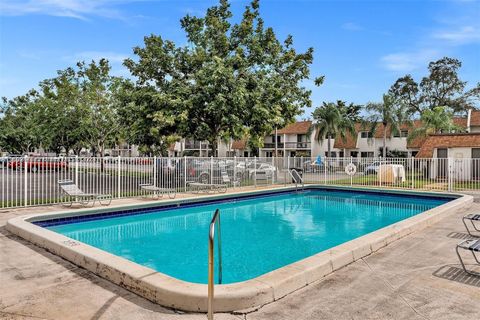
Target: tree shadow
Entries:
(457, 274)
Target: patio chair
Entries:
(197, 187)
(158, 192)
(472, 245)
(75, 194)
(317, 163)
(227, 181)
(472, 217)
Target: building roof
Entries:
(475, 118)
(350, 141)
(239, 144)
(449, 140)
(299, 127)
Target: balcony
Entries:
(288, 145)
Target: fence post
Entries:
(211, 169)
(379, 174)
(255, 171)
(449, 173)
(118, 176)
(325, 163)
(274, 175)
(288, 169)
(185, 173)
(412, 171)
(76, 170)
(154, 171)
(234, 171)
(25, 186)
(351, 176)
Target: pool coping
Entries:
(187, 296)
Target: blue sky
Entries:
(361, 47)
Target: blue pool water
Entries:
(258, 234)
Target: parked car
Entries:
(34, 165)
(5, 160)
(269, 170)
(171, 172)
(373, 167)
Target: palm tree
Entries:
(436, 120)
(390, 114)
(332, 119)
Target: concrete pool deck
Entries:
(411, 278)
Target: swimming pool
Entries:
(259, 235)
(273, 241)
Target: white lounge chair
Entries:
(197, 187)
(75, 194)
(158, 192)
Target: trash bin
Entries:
(299, 171)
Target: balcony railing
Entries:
(288, 145)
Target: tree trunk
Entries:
(213, 143)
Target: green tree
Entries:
(437, 120)
(63, 114)
(442, 87)
(335, 119)
(390, 114)
(20, 124)
(230, 80)
(99, 97)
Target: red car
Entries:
(35, 165)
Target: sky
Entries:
(361, 47)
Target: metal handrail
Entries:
(295, 178)
(211, 244)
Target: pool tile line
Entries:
(193, 203)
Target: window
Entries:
(367, 154)
(333, 154)
(401, 134)
(341, 155)
(354, 154)
(365, 134)
(279, 138)
(301, 138)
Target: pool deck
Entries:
(417, 277)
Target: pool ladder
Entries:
(214, 224)
(297, 178)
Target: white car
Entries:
(266, 168)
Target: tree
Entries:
(100, 98)
(437, 120)
(335, 119)
(442, 87)
(63, 114)
(20, 124)
(390, 114)
(230, 80)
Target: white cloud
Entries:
(462, 35)
(78, 9)
(351, 26)
(408, 61)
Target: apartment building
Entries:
(297, 139)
